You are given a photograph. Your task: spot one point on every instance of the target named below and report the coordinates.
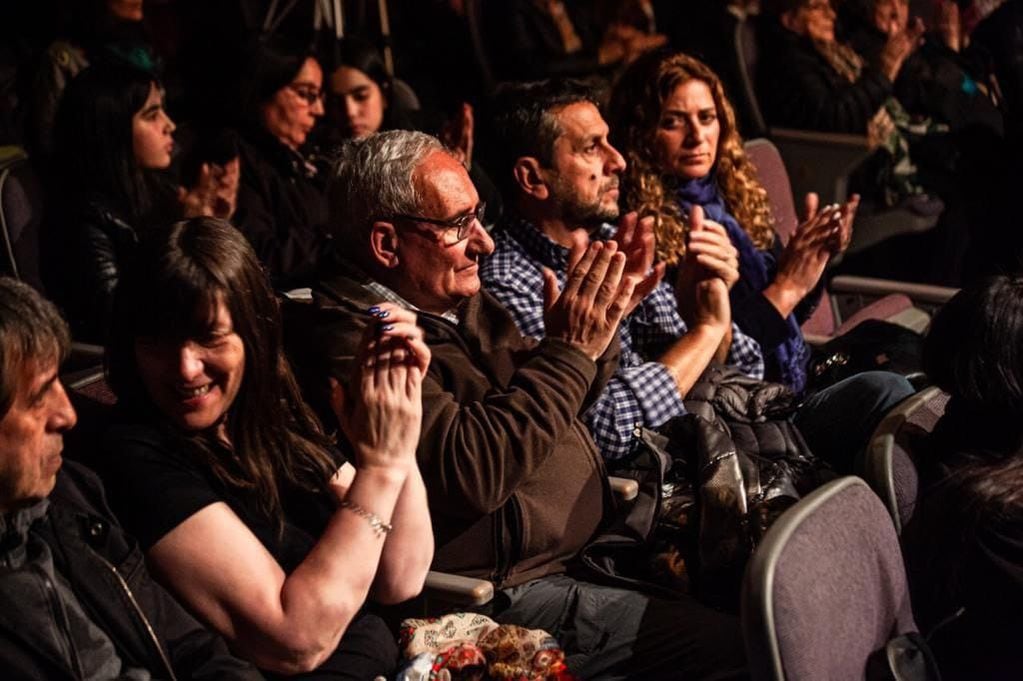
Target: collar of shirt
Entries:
(376, 288)
(544, 249)
(14, 527)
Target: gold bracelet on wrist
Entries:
(375, 521)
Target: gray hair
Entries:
(31, 329)
(372, 178)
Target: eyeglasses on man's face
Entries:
(310, 94)
(454, 230)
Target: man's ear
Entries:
(383, 244)
(529, 177)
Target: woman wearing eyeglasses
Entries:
(282, 205)
(808, 79)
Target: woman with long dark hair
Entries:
(245, 508)
(113, 145)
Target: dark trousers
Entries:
(838, 421)
(612, 633)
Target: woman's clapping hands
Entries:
(381, 409)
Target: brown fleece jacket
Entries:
(516, 485)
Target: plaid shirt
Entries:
(641, 393)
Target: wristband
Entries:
(378, 525)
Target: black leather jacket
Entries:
(99, 245)
(106, 571)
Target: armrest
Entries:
(626, 489)
(861, 297)
(815, 339)
(458, 590)
(923, 293)
(77, 380)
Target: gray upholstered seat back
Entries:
(826, 588)
(888, 465)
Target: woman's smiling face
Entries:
(194, 381)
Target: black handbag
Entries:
(873, 344)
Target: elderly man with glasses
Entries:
(516, 484)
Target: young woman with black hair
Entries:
(113, 145)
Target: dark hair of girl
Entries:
(974, 352)
(172, 291)
(95, 154)
(359, 54)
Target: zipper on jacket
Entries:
(511, 517)
(499, 572)
(63, 624)
(502, 563)
(141, 615)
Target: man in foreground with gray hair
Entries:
(517, 487)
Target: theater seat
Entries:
(826, 588)
(848, 300)
(889, 465)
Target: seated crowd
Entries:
(346, 350)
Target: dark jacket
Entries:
(516, 485)
(96, 239)
(798, 88)
(106, 571)
(934, 81)
(99, 244)
(282, 208)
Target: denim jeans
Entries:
(838, 421)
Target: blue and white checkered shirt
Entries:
(642, 392)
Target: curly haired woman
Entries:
(671, 119)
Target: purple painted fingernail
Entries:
(387, 327)
(373, 310)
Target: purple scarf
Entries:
(756, 268)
